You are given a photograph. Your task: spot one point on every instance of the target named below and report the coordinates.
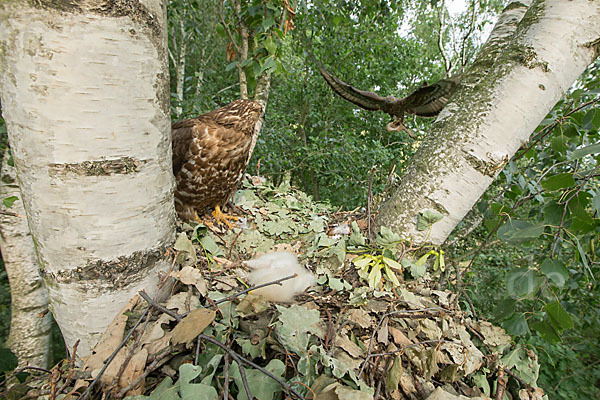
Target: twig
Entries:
(518, 378)
(88, 391)
(239, 359)
(275, 282)
(236, 237)
(154, 304)
(70, 366)
(226, 378)
(501, 383)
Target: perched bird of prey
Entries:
(210, 155)
(273, 266)
(426, 101)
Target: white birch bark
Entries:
(85, 97)
(29, 337)
(180, 68)
(493, 114)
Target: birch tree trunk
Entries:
(29, 336)
(519, 77)
(85, 97)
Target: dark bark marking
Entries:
(125, 165)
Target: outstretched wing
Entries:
(367, 100)
(429, 100)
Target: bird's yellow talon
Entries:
(223, 218)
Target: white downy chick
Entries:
(272, 266)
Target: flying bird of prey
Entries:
(426, 101)
(210, 155)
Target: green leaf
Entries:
(209, 244)
(558, 181)
(516, 325)
(375, 276)
(231, 66)
(522, 283)
(269, 64)
(386, 237)
(555, 271)
(221, 30)
(356, 238)
(427, 218)
(363, 261)
(596, 202)
(589, 121)
(558, 316)
(194, 391)
(295, 325)
(184, 244)
(394, 375)
(9, 201)
(583, 256)
(261, 386)
(505, 308)
(584, 151)
(553, 213)
(516, 231)
(270, 45)
(392, 263)
(8, 360)
(559, 143)
(547, 331)
(164, 391)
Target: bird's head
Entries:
(241, 114)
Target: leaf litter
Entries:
(375, 325)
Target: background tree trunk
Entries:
(468, 146)
(85, 97)
(29, 336)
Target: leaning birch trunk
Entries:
(85, 97)
(492, 115)
(29, 337)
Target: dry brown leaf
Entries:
(182, 302)
(226, 283)
(344, 343)
(192, 276)
(110, 340)
(382, 333)
(360, 317)
(159, 344)
(134, 369)
(223, 262)
(192, 325)
(399, 337)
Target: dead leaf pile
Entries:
(358, 334)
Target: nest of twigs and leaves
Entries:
(376, 325)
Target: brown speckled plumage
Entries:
(210, 155)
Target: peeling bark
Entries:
(84, 89)
(29, 336)
(519, 76)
